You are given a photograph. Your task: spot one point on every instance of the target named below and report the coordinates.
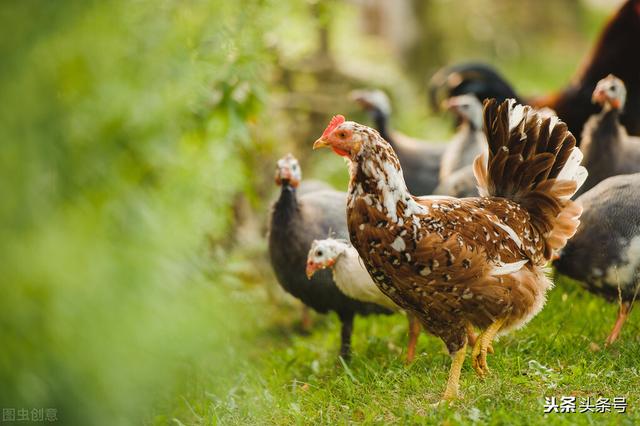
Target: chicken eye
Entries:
(342, 134)
(319, 253)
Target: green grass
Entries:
(292, 378)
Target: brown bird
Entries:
(615, 52)
(471, 261)
(608, 149)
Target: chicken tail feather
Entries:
(533, 160)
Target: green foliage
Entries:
(122, 124)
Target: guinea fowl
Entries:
(605, 252)
(471, 261)
(296, 220)
(469, 140)
(352, 279)
(615, 52)
(420, 159)
(608, 149)
(460, 184)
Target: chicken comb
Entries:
(335, 122)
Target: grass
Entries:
(293, 378)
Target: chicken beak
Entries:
(311, 269)
(320, 143)
(598, 96)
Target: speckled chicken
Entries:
(420, 159)
(605, 252)
(296, 220)
(353, 279)
(608, 149)
(455, 262)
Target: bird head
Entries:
(610, 93)
(323, 254)
(346, 138)
(288, 171)
(372, 100)
(467, 108)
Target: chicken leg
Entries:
(471, 338)
(306, 322)
(453, 383)
(623, 314)
(345, 335)
(414, 333)
(479, 353)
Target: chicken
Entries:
(615, 53)
(605, 252)
(471, 261)
(295, 222)
(420, 159)
(352, 279)
(608, 149)
(469, 140)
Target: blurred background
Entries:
(139, 140)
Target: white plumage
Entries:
(349, 273)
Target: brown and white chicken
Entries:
(471, 261)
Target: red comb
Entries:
(335, 122)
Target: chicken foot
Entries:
(623, 314)
(479, 352)
(471, 338)
(451, 392)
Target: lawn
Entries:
(294, 378)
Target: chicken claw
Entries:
(481, 347)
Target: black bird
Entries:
(615, 52)
(604, 254)
(608, 149)
(297, 220)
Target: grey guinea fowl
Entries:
(460, 184)
(296, 220)
(605, 252)
(469, 140)
(608, 149)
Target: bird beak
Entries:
(447, 105)
(311, 269)
(598, 96)
(320, 143)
